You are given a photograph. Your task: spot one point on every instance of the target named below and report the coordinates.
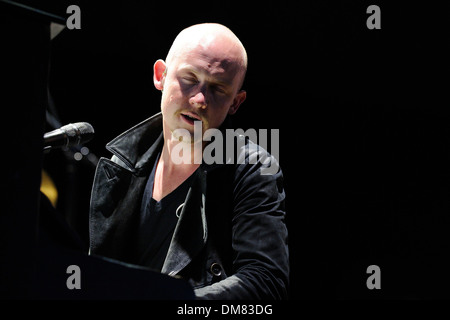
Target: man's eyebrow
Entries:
(194, 70)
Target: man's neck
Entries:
(181, 150)
(169, 173)
(173, 153)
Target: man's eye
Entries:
(219, 89)
(190, 80)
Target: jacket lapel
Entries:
(191, 232)
(118, 185)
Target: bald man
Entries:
(221, 226)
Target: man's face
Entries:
(201, 84)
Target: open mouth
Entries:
(190, 118)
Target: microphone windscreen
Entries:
(83, 131)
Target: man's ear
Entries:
(158, 74)
(240, 97)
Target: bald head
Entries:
(201, 78)
(210, 37)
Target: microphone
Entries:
(69, 135)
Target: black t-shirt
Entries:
(158, 221)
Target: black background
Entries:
(363, 118)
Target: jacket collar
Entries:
(137, 146)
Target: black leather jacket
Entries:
(231, 238)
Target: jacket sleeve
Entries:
(259, 235)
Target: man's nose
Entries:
(198, 100)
